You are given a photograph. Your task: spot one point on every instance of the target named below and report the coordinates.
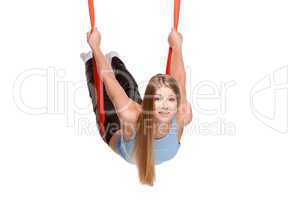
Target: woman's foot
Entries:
(109, 56)
(86, 56)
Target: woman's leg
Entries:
(126, 79)
(128, 83)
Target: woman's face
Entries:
(165, 104)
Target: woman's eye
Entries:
(172, 99)
(156, 98)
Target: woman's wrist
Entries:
(96, 50)
(177, 48)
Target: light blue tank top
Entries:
(164, 149)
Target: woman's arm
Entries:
(184, 113)
(125, 107)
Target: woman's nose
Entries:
(165, 104)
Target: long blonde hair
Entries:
(143, 148)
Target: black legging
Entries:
(126, 80)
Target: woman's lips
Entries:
(164, 113)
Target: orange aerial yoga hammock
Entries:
(175, 26)
(97, 78)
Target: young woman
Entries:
(144, 132)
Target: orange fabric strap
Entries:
(175, 26)
(97, 79)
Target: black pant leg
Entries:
(111, 123)
(128, 83)
(126, 80)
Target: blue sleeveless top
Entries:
(164, 149)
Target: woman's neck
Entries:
(161, 129)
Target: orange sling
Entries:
(97, 78)
(175, 26)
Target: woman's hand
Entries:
(175, 39)
(94, 39)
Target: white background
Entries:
(49, 153)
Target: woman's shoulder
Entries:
(129, 123)
(131, 113)
(184, 115)
(183, 118)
